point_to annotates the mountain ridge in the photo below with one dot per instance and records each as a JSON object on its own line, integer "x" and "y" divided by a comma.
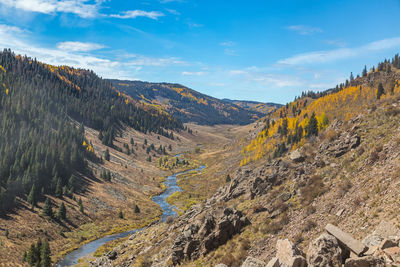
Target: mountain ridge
{"x": 189, "y": 105}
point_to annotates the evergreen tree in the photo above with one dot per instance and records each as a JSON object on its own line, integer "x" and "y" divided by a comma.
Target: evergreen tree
{"x": 120, "y": 214}
{"x": 380, "y": 91}
{"x": 62, "y": 212}
{"x": 107, "y": 155}
{"x": 228, "y": 178}
{"x": 312, "y": 126}
{"x": 47, "y": 210}
{"x": 80, "y": 205}
{"x": 32, "y": 196}
{"x": 45, "y": 253}
{"x": 364, "y": 72}
{"x": 136, "y": 209}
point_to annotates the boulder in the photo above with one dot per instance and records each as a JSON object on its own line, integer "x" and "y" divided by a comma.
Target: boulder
{"x": 253, "y": 262}
{"x": 372, "y": 240}
{"x": 346, "y": 241}
{"x": 387, "y": 243}
{"x": 296, "y": 156}
{"x": 386, "y": 230}
{"x": 207, "y": 234}
{"x": 274, "y": 262}
{"x": 367, "y": 261}
{"x": 393, "y": 253}
{"x": 288, "y": 254}
{"x": 324, "y": 251}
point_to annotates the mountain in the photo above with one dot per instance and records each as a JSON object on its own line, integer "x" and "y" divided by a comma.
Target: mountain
{"x": 254, "y": 106}
{"x": 189, "y": 105}
{"x": 43, "y": 113}
{"x": 325, "y": 159}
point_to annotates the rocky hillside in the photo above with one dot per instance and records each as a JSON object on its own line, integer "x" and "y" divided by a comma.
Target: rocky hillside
{"x": 189, "y": 105}
{"x": 341, "y": 177}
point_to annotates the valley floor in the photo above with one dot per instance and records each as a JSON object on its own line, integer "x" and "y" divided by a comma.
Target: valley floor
{"x": 134, "y": 181}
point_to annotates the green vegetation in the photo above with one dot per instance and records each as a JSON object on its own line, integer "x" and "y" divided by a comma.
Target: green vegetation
{"x": 38, "y": 254}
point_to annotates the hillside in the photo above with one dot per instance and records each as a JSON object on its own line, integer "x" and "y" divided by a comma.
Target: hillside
{"x": 323, "y": 159}
{"x": 265, "y": 108}
{"x": 189, "y": 105}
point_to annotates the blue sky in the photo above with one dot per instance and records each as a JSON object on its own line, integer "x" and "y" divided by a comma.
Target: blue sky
{"x": 267, "y": 51}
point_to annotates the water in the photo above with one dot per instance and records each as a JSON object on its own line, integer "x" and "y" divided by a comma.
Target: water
{"x": 168, "y": 210}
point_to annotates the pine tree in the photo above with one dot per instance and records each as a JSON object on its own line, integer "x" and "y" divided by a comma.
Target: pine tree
{"x": 47, "y": 210}
{"x": 107, "y": 155}
{"x": 228, "y": 178}
{"x": 380, "y": 91}
{"x": 136, "y": 209}
{"x": 58, "y": 191}
{"x": 120, "y": 214}
{"x": 45, "y": 260}
{"x": 364, "y": 72}
{"x": 312, "y": 126}
{"x": 80, "y": 205}
{"x": 32, "y": 196}
{"x": 62, "y": 212}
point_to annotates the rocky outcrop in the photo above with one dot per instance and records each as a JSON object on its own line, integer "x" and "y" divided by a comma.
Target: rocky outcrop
{"x": 253, "y": 262}
{"x": 324, "y": 251}
{"x": 296, "y": 156}
{"x": 289, "y": 255}
{"x": 205, "y": 235}
{"x": 340, "y": 146}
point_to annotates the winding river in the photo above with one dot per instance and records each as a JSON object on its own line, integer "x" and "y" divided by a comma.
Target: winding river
{"x": 168, "y": 210}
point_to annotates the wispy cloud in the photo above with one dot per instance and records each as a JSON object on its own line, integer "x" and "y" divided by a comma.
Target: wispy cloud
{"x": 227, "y": 44}
{"x": 317, "y": 57}
{"x": 303, "y": 29}
{"x": 196, "y": 73}
{"x": 131, "y": 14}
{"x": 254, "y": 74}
{"x": 79, "y": 46}
{"x": 82, "y": 8}
{"x": 78, "y": 54}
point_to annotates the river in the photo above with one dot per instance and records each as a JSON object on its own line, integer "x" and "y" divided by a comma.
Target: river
{"x": 168, "y": 210}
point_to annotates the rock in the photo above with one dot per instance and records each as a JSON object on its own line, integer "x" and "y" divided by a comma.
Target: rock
{"x": 340, "y": 146}
{"x": 274, "y": 262}
{"x": 324, "y": 251}
{"x": 296, "y": 156}
{"x": 289, "y": 254}
{"x": 111, "y": 255}
{"x": 386, "y": 230}
{"x": 387, "y": 243}
{"x": 368, "y": 261}
{"x": 221, "y": 265}
{"x": 340, "y": 212}
{"x": 285, "y": 196}
{"x": 253, "y": 262}
{"x": 345, "y": 240}
{"x": 207, "y": 234}
{"x": 372, "y": 240}
{"x": 393, "y": 253}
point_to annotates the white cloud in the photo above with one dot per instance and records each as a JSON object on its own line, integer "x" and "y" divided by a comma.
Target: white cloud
{"x": 341, "y": 53}
{"x": 173, "y": 12}
{"x": 227, "y": 43}
{"x": 278, "y": 80}
{"x": 131, "y": 14}
{"x": 82, "y": 8}
{"x": 20, "y": 42}
{"x": 196, "y": 73}
{"x": 229, "y": 52}
{"x": 303, "y": 29}
{"x": 140, "y": 60}
{"x": 79, "y": 46}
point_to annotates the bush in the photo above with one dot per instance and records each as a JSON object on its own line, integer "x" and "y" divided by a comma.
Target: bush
{"x": 314, "y": 188}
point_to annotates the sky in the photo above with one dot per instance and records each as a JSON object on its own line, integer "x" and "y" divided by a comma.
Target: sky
{"x": 262, "y": 50}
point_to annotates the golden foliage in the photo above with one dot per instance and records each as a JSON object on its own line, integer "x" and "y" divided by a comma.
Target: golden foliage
{"x": 342, "y": 105}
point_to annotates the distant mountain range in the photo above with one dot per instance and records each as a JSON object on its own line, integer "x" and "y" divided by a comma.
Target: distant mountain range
{"x": 189, "y": 105}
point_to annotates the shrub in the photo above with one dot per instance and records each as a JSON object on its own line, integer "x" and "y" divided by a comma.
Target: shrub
{"x": 314, "y": 188}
